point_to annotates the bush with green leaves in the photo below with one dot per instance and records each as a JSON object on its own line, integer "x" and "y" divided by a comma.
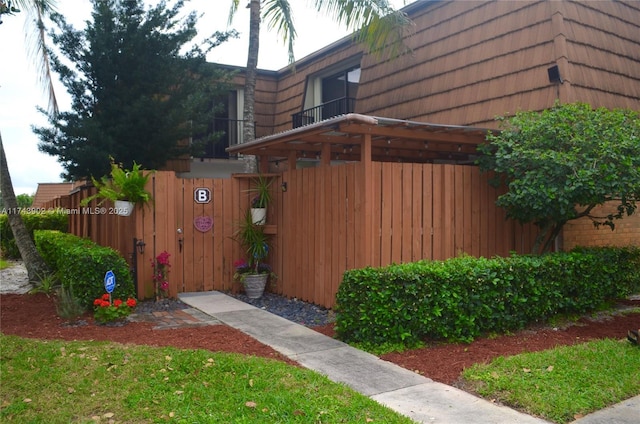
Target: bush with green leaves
{"x": 462, "y": 298}
{"x": 82, "y": 265}
{"x": 559, "y": 164}
{"x": 48, "y": 220}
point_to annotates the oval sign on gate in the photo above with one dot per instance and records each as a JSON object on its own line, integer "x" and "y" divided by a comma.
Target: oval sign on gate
{"x": 109, "y": 281}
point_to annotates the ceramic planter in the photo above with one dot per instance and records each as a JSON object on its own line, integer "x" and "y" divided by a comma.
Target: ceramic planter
{"x": 254, "y": 285}
{"x": 259, "y": 216}
{"x": 123, "y": 208}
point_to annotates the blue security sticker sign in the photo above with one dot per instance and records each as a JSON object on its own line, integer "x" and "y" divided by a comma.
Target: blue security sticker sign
{"x": 109, "y": 281}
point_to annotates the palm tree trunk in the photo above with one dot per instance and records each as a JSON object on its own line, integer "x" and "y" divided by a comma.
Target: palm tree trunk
{"x": 248, "y": 128}
{"x": 36, "y": 267}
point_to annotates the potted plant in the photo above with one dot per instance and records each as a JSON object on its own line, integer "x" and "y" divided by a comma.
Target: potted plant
{"x": 262, "y": 197}
{"x": 125, "y": 188}
{"x": 252, "y": 272}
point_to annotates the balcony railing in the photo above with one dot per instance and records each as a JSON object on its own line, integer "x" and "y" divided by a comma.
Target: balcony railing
{"x": 230, "y": 131}
{"x": 324, "y": 111}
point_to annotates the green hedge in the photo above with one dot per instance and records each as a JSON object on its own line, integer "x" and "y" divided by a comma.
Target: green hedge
{"x": 82, "y": 264}
{"x": 462, "y": 298}
{"x": 49, "y": 220}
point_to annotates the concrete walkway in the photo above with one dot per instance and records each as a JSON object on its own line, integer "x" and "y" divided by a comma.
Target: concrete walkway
{"x": 406, "y": 392}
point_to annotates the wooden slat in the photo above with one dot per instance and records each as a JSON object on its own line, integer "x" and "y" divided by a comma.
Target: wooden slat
{"x": 377, "y": 207}
{"x": 219, "y": 281}
{"x": 438, "y": 213}
{"x": 467, "y": 192}
{"x": 338, "y": 246}
{"x": 386, "y": 214}
{"x": 458, "y": 211}
{"x": 396, "y": 212}
{"x": 427, "y": 212}
{"x": 325, "y": 275}
{"x": 352, "y": 231}
{"x": 417, "y": 207}
{"x": 448, "y": 216}
{"x": 476, "y": 229}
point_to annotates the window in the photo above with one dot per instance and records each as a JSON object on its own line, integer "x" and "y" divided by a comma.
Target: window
{"x": 226, "y": 123}
{"x": 330, "y": 93}
{"x": 337, "y": 90}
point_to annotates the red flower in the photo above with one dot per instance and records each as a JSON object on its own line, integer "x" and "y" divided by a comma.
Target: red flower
{"x": 131, "y": 303}
{"x": 105, "y": 303}
{"x": 163, "y": 258}
{"x": 97, "y": 302}
{"x": 240, "y": 263}
{"x": 105, "y": 296}
{"x": 117, "y": 303}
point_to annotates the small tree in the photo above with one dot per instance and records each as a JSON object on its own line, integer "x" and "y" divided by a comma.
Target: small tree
{"x": 559, "y": 164}
{"x": 136, "y": 88}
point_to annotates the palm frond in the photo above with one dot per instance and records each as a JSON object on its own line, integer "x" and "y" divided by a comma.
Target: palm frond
{"x": 375, "y": 22}
{"x": 277, "y": 14}
{"x": 36, "y": 45}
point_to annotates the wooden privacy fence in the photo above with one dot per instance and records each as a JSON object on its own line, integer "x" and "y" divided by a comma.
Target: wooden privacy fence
{"x": 417, "y": 211}
{"x": 323, "y": 221}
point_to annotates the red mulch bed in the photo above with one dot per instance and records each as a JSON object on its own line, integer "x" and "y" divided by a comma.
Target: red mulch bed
{"x": 34, "y": 316}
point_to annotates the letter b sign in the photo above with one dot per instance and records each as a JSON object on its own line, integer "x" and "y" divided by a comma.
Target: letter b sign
{"x": 202, "y": 195}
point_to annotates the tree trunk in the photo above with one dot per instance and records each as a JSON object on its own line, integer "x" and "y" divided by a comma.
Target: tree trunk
{"x": 36, "y": 267}
{"x": 248, "y": 128}
{"x": 547, "y": 236}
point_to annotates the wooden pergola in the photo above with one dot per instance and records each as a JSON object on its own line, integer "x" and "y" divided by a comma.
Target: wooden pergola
{"x": 355, "y": 137}
{"x": 365, "y": 139}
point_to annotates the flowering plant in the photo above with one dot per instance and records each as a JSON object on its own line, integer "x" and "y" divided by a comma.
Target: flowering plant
{"x": 161, "y": 267}
{"x": 242, "y": 267}
{"x": 256, "y": 202}
{"x": 106, "y": 310}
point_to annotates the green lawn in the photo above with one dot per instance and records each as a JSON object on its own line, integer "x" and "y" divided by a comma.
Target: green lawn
{"x": 4, "y": 264}
{"x": 563, "y": 383}
{"x": 87, "y": 382}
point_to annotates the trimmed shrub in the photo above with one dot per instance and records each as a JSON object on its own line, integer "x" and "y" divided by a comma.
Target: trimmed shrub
{"x": 81, "y": 265}
{"x": 49, "y": 220}
{"x": 462, "y": 298}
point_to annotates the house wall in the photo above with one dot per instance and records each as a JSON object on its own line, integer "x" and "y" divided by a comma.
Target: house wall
{"x": 472, "y": 61}
{"x": 266, "y": 92}
{"x": 581, "y": 232}
{"x": 265, "y": 98}
{"x": 603, "y": 52}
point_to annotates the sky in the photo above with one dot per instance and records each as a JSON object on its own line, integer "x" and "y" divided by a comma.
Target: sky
{"x": 21, "y": 94}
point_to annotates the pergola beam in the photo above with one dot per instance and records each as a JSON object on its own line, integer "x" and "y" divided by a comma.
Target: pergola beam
{"x": 343, "y": 137}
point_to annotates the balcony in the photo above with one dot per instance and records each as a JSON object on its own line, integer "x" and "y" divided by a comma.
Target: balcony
{"x": 230, "y": 131}
{"x": 324, "y": 111}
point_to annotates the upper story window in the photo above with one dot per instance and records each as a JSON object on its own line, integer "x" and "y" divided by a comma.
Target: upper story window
{"x": 330, "y": 93}
{"x": 227, "y": 124}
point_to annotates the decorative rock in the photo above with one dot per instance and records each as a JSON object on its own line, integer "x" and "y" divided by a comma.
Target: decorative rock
{"x": 15, "y": 279}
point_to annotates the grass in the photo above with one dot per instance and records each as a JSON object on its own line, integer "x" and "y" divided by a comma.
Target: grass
{"x": 564, "y": 383}
{"x": 4, "y": 264}
{"x": 87, "y": 381}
